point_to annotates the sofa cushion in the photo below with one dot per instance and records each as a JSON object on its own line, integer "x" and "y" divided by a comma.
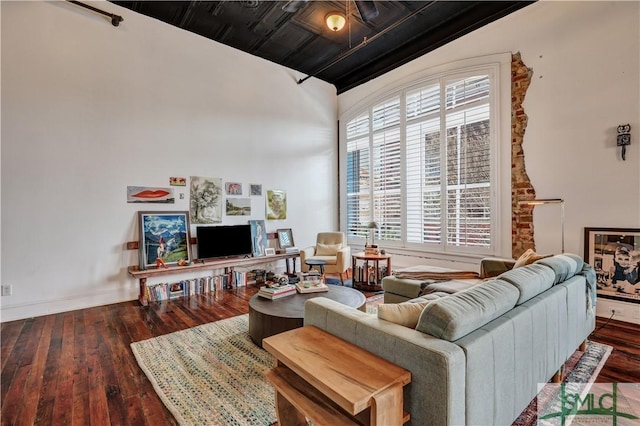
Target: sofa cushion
{"x": 327, "y": 249}
{"x": 457, "y": 315}
{"x": 451, "y": 286}
{"x": 406, "y": 313}
{"x": 563, "y": 265}
{"x": 405, "y": 287}
{"x": 530, "y": 280}
{"x": 528, "y": 257}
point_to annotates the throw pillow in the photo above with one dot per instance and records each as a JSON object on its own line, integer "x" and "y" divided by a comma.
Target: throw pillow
{"x": 327, "y": 249}
{"x": 528, "y": 257}
{"x": 406, "y": 314}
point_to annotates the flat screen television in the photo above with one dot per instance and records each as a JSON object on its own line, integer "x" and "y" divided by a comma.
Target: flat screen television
{"x": 223, "y": 241}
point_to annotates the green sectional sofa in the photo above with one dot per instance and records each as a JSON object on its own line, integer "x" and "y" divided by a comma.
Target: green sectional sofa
{"x": 477, "y": 356}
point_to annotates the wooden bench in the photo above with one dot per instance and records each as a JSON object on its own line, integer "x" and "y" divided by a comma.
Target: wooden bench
{"x": 331, "y": 381}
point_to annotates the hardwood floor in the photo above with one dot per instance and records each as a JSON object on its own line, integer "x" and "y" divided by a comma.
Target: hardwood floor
{"x": 623, "y": 365}
{"x": 77, "y": 367}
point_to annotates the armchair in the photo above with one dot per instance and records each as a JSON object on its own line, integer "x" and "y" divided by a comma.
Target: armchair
{"x": 332, "y": 248}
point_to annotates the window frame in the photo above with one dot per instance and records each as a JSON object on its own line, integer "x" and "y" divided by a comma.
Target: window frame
{"x": 498, "y": 68}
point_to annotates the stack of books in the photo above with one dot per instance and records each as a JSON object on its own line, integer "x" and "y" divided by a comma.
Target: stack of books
{"x": 371, "y": 250}
{"x": 307, "y": 287}
{"x": 274, "y": 293}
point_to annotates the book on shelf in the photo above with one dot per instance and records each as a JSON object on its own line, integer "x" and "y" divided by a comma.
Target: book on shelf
{"x": 311, "y": 287}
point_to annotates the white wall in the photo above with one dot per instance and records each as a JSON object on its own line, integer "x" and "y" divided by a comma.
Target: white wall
{"x": 88, "y": 109}
{"x": 586, "y": 62}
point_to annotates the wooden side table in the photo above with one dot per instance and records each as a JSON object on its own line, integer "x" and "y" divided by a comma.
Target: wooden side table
{"x": 329, "y": 380}
{"x": 366, "y": 280}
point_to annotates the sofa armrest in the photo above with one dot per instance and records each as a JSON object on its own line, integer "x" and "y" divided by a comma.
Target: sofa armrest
{"x": 493, "y": 266}
{"x": 343, "y": 258}
{"x": 436, "y": 394}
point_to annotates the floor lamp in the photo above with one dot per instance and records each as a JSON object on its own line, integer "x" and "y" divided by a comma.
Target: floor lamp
{"x": 543, "y": 201}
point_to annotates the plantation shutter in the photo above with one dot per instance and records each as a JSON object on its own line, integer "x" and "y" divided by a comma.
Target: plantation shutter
{"x": 386, "y": 171}
{"x": 419, "y": 164}
{"x": 358, "y": 177}
{"x": 423, "y": 188}
{"x": 468, "y": 183}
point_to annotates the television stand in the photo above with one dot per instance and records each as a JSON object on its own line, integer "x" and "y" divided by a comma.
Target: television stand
{"x": 229, "y": 263}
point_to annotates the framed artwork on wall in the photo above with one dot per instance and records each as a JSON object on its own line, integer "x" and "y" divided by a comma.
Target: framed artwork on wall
{"x": 206, "y": 200}
{"x": 164, "y": 236}
{"x": 276, "y": 204}
{"x": 233, "y": 188}
{"x": 147, "y": 194}
{"x": 255, "y": 189}
{"x": 238, "y": 206}
{"x": 615, "y": 255}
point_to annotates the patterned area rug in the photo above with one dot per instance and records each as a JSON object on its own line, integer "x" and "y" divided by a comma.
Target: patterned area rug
{"x": 213, "y": 374}
{"x": 580, "y": 372}
{"x": 336, "y": 281}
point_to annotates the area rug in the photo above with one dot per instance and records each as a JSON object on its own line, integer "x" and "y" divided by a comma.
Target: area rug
{"x": 581, "y": 370}
{"x": 336, "y": 281}
{"x": 213, "y": 374}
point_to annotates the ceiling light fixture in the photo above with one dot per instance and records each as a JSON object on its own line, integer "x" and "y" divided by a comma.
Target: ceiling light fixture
{"x": 335, "y": 21}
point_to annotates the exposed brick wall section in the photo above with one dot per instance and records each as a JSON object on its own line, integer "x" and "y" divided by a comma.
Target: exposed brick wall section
{"x": 521, "y": 188}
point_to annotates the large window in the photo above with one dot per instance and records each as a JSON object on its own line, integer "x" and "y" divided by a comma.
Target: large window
{"x": 421, "y": 164}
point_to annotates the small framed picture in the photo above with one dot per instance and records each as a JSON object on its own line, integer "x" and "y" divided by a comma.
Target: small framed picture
{"x": 255, "y": 189}
{"x": 285, "y": 238}
{"x": 233, "y": 188}
{"x": 270, "y": 251}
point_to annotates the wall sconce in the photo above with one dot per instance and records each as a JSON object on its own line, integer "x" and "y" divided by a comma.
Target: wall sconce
{"x": 543, "y": 201}
{"x": 624, "y": 138}
{"x": 335, "y": 21}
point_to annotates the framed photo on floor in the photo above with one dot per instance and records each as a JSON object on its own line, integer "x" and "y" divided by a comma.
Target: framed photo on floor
{"x": 615, "y": 255}
{"x": 165, "y": 236}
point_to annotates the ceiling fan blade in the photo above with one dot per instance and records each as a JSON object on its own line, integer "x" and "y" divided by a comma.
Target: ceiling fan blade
{"x": 367, "y": 9}
{"x": 292, "y": 6}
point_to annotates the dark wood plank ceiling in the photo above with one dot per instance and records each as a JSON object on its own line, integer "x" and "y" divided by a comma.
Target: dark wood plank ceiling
{"x": 362, "y": 50}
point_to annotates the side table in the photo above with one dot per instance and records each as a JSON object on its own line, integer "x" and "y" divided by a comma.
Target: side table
{"x": 369, "y": 278}
{"x": 329, "y": 381}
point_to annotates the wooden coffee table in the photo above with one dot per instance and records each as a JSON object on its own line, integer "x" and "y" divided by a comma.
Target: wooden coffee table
{"x": 269, "y": 317}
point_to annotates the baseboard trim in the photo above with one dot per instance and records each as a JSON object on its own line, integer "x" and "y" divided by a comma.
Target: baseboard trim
{"x": 47, "y": 307}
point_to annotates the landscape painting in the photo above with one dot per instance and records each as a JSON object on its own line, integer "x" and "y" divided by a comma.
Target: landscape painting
{"x": 238, "y": 206}
{"x": 164, "y": 236}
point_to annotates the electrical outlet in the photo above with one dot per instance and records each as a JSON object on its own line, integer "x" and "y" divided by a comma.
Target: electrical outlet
{"x": 7, "y": 290}
{"x": 616, "y": 312}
